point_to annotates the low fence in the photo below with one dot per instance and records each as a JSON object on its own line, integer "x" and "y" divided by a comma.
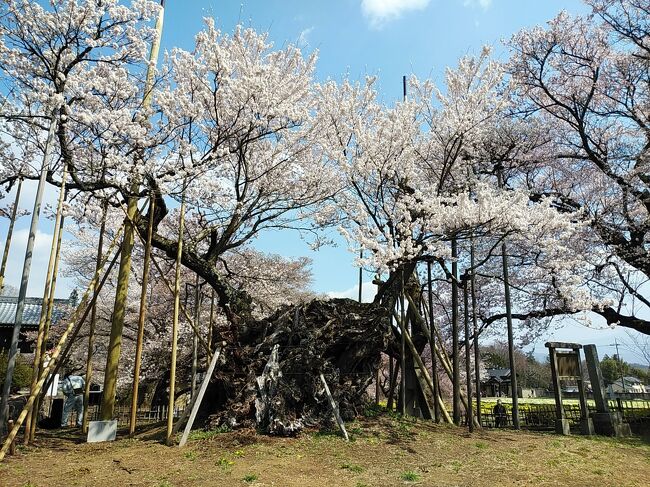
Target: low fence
{"x": 542, "y": 416}
{"x": 123, "y": 415}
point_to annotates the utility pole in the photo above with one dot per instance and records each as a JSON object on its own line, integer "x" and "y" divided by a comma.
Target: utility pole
{"x": 620, "y": 363}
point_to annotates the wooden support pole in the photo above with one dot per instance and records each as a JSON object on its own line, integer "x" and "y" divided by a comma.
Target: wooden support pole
{"x": 455, "y": 380}
{"x": 73, "y": 335}
{"x": 432, "y": 345}
{"x": 197, "y": 399}
{"x": 425, "y": 373}
{"x": 10, "y": 232}
{"x": 12, "y": 445}
{"x": 392, "y": 381}
{"x": 165, "y": 281}
{"x": 142, "y": 317}
{"x": 211, "y": 324}
{"x": 177, "y": 301}
{"x": 48, "y": 301}
{"x": 74, "y": 325}
{"x": 335, "y": 408}
{"x": 402, "y": 326}
{"x": 24, "y": 280}
{"x": 468, "y": 361}
{"x": 195, "y": 337}
{"x": 121, "y": 293}
{"x": 477, "y": 358}
{"x": 118, "y": 317}
{"x": 440, "y": 351}
{"x": 511, "y": 342}
{"x": 93, "y": 321}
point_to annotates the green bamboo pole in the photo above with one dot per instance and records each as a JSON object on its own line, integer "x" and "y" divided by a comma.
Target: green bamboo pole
{"x": 177, "y": 301}
{"x": 10, "y": 232}
{"x": 48, "y": 301}
{"x": 142, "y": 317}
{"x": 93, "y": 322}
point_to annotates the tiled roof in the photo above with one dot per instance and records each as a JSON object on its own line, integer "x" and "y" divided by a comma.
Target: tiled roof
{"x": 498, "y": 373}
{"x": 32, "y": 312}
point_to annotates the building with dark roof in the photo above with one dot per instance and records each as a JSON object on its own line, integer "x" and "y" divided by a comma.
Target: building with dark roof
{"x": 497, "y": 383}
{"x": 31, "y": 316}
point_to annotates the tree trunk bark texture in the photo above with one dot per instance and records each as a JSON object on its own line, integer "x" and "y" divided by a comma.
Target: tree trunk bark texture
{"x": 269, "y": 377}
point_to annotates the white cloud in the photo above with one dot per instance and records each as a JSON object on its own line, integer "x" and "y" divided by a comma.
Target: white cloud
{"x": 368, "y": 291}
{"x": 484, "y": 4}
{"x": 381, "y": 11}
{"x": 303, "y": 37}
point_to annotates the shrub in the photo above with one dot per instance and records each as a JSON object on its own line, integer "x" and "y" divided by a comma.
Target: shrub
{"x": 22, "y": 372}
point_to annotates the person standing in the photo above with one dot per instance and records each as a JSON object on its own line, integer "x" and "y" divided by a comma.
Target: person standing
{"x": 73, "y": 390}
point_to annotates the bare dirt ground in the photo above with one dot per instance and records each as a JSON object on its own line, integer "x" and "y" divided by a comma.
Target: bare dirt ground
{"x": 384, "y": 451}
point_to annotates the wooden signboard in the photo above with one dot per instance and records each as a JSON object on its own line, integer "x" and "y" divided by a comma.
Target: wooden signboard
{"x": 568, "y": 365}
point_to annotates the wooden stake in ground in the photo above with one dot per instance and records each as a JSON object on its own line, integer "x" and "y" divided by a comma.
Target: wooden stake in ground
{"x": 10, "y": 232}
{"x": 93, "y": 322}
{"x": 142, "y": 317}
{"x": 22, "y": 293}
{"x": 48, "y": 301}
{"x": 177, "y": 302}
{"x": 121, "y": 293}
{"x": 335, "y": 408}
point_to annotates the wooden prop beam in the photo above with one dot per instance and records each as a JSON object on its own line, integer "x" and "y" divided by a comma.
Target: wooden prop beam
{"x": 198, "y": 398}
{"x": 71, "y": 331}
{"x": 335, "y": 408}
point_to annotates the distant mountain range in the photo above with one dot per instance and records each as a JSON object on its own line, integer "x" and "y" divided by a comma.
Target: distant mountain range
{"x": 639, "y": 366}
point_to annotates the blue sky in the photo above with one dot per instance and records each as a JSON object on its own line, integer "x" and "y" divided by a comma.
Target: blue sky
{"x": 354, "y": 38}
